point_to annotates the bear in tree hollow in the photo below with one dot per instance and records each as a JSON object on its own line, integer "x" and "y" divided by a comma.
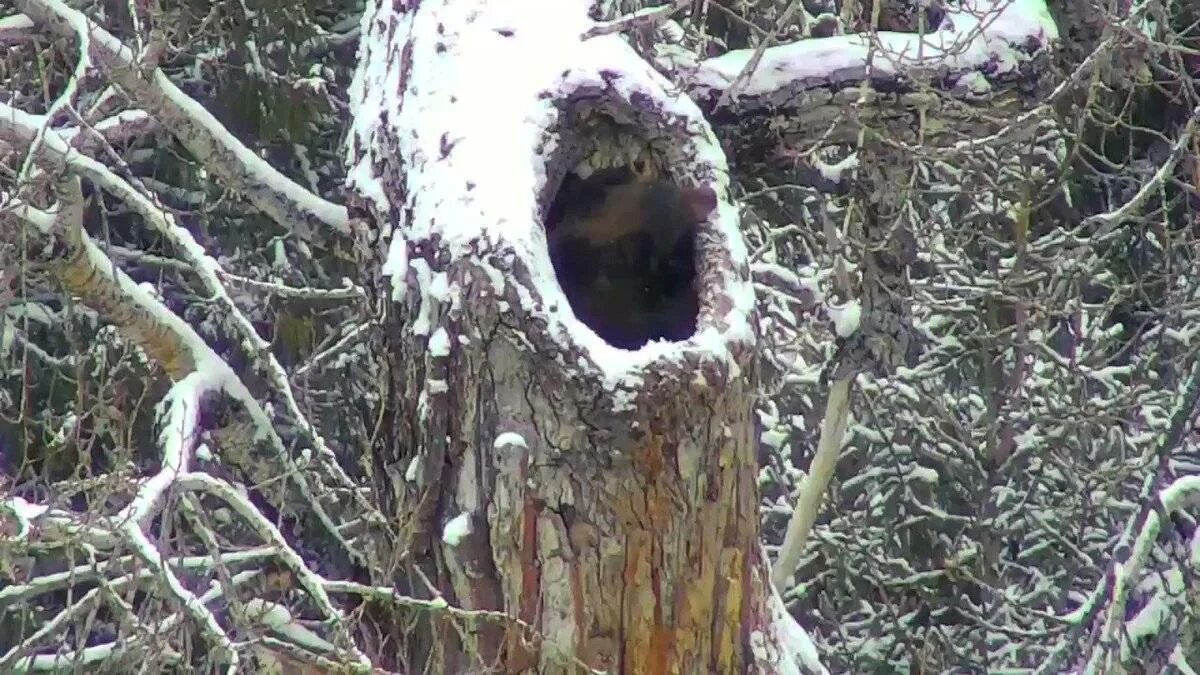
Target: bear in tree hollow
{"x": 624, "y": 253}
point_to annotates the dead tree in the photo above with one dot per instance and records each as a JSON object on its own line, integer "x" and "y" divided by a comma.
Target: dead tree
{"x": 603, "y": 497}
{"x": 543, "y": 500}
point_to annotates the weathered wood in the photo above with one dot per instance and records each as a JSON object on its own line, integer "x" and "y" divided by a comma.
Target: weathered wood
{"x": 605, "y": 500}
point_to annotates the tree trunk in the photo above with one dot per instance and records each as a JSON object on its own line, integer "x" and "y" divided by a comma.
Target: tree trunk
{"x": 603, "y": 500}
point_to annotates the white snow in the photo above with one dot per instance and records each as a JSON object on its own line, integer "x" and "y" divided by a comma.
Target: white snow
{"x": 32, "y": 310}
{"x": 280, "y": 619}
{"x": 924, "y": 474}
{"x": 439, "y": 343}
{"x": 17, "y": 22}
{"x": 458, "y": 527}
{"x": 793, "y": 639}
{"x": 396, "y": 264}
{"x": 475, "y": 188}
{"x": 510, "y": 438}
{"x": 971, "y": 35}
{"x": 845, "y": 318}
{"x": 834, "y": 172}
{"x": 421, "y": 324}
{"x": 414, "y": 465}
{"x": 773, "y": 438}
{"x": 25, "y": 510}
{"x": 974, "y": 82}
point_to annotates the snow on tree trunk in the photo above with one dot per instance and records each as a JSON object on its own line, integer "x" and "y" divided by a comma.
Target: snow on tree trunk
{"x": 604, "y": 499}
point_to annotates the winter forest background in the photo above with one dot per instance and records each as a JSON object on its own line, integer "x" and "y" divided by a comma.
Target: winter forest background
{"x": 199, "y": 390}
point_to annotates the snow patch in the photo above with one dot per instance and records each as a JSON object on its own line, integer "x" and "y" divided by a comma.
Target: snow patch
{"x": 396, "y": 265}
{"x": 923, "y": 474}
{"x": 799, "y": 652}
{"x": 439, "y": 343}
{"x": 845, "y": 318}
{"x": 510, "y": 438}
{"x": 25, "y": 510}
{"x": 414, "y": 466}
{"x": 458, "y": 528}
{"x": 834, "y": 172}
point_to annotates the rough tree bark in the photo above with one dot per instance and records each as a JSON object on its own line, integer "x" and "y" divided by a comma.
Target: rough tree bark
{"x": 602, "y": 501}
{"x": 604, "y": 498}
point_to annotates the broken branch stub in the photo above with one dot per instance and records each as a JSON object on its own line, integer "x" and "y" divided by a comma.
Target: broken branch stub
{"x": 602, "y": 498}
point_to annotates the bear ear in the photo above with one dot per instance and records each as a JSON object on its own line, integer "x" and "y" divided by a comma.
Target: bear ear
{"x": 700, "y": 201}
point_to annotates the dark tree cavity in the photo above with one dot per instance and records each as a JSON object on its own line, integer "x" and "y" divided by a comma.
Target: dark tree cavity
{"x": 624, "y": 251}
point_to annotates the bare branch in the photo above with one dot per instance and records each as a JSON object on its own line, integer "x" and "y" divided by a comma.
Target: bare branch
{"x": 812, "y": 492}
{"x": 279, "y": 197}
{"x": 639, "y": 19}
{"x": 1108, "y": 221}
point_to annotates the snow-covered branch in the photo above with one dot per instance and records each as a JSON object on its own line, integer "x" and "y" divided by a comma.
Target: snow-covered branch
{"x": 286, "y": 202}
{"x": 119, "y": 128}
{"x": 19, "y": 127}
{"x": 200, "y": 374}
{"x": 16, "y": 29}
{"x": 1103, "y": 618}
{"x": 978, "y": 42}
{"x": 87, "y": 272}
{"x": 1106, "y": 222}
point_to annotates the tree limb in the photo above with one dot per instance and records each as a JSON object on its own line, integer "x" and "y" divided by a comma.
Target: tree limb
{"x": 812, "y": 490}
{"x": 285, "y": 201}
{"x": 17, "y": 126}
{"x": 978, "y": 37}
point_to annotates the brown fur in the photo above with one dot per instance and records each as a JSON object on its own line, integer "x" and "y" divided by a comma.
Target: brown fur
{"x": 624, "y": 256}
{"x": 663, "y": 211}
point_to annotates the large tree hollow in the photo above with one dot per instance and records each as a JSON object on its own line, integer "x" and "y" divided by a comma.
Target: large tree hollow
{"x": 624, "y": 251}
